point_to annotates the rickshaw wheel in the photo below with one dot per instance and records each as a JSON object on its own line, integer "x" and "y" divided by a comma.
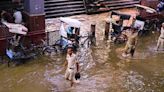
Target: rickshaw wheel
{"x": 57, "y": 48}
{"x": 49, "y": 50}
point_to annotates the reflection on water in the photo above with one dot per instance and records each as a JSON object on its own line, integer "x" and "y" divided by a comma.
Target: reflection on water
{"x": 102, "y": 68}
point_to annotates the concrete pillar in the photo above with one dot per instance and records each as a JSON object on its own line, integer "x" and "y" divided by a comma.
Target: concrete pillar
{"x": 34, "y": 18}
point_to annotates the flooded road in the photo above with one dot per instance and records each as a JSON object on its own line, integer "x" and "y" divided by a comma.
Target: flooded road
{"x": 102, "y": 67}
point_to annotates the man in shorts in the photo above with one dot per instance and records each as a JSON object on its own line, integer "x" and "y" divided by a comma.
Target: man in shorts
{"x": 72, "y": 65}
{"x": 161, "y": 39}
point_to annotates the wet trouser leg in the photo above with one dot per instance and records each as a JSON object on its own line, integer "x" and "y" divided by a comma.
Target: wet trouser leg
{"x": 129, "y": 49}
{"x": 132, "y": 50}
{"x": 160, "y": 43}
{"x": 126, "y": 49}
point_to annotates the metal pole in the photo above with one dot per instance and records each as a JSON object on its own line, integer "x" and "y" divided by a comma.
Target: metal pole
{"x": 107, "y": 25}
{"x": 48, "y": 38}
{"x": 93, "y": 34}
{"x": 93, "y": 29}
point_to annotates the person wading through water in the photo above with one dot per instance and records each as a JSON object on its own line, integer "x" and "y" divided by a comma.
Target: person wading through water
{"x": 131, "y": 43}
{"x": 161, "y": 39}
{"x": 72, "y": 66}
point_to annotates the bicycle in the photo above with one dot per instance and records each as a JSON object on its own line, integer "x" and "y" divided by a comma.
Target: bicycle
{"x": 43, "y": 48}
{"x": 62, "y": 44}
{"x": 17, "y": 53}
{"x": 151, "y": 25}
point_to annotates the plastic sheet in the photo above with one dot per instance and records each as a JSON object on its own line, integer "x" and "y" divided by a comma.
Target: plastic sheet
{"x": 63, "y": 31}
{"x": 16, "y": 28}
{"x": 71, "y": 22}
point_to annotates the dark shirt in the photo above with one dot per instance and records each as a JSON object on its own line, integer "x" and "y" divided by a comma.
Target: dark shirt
{"x": 160, "y": 6}
{"x": 8, "y": 17}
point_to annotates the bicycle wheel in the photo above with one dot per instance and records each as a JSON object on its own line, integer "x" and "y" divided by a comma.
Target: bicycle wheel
{"x": 49, "y": 50}
{"x": 58, "y": 48}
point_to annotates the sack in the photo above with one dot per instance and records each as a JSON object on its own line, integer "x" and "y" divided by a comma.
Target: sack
{"x": 77, "y": 76}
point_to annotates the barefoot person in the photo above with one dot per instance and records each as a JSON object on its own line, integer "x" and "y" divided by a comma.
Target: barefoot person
{"x": 131, "y": 43}
{"x": 161, "y": 39}
{"x": 72, "y": 65}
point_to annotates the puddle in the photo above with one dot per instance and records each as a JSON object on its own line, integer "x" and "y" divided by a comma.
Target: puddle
{"x": 101, "y": 68}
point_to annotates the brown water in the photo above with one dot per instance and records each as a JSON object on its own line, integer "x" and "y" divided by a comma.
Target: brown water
{"x": 102, "y": 68}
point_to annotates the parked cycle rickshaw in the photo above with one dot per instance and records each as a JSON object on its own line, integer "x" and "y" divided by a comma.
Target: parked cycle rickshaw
{"x": 152, "y": 23}
{"x": 69, "y": 35}
{"x": 144, "y": 25}
{"x": 15, "y": 50}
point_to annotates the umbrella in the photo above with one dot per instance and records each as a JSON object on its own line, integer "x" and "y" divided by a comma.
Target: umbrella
{"x": 71, "y": 22}
{"x": 148, "y": 9}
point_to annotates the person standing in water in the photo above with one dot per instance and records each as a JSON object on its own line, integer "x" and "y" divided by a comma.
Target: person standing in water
{"x": 161, "y": 39}
{"x": 72, "y": 66}
{"x": 131, "y": 43}
{"x": 17, "y": 16}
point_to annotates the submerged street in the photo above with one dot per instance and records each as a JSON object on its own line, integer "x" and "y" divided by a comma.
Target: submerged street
{"x": 102, "y": 67}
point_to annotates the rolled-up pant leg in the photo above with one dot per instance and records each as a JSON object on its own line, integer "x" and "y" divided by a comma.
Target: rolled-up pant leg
{"x": 126, "y": 49}
{"x": 159, "y": 43}
{"x": 162, "y": 44}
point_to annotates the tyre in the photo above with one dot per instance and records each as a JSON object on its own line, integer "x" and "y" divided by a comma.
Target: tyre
{"x": 49, "y": 50}
{"x": 58, "y": 48}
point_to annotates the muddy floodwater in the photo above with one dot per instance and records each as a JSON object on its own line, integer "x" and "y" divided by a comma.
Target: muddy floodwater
{"x": 102, "y": 67}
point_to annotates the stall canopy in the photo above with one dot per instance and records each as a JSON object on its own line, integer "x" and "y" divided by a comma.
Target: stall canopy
{"x": 71, "y": 22}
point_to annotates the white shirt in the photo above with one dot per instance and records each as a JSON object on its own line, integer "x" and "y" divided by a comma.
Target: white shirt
{"x": 18, "y": 17}
{"x": 71, "y": 61}
{"x": 162, "y": 33}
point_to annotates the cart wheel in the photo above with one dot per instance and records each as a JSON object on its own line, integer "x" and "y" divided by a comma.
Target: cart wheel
{"x": 40, "y": 51}
{"x": 46, "y": 51}
{"x": 58, "y": 48}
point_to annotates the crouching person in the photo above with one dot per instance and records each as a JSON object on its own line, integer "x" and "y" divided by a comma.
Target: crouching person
{"x": 161, "y": 39}
{"x": 72, "y": 66}
{"x": 131, "y": 43}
